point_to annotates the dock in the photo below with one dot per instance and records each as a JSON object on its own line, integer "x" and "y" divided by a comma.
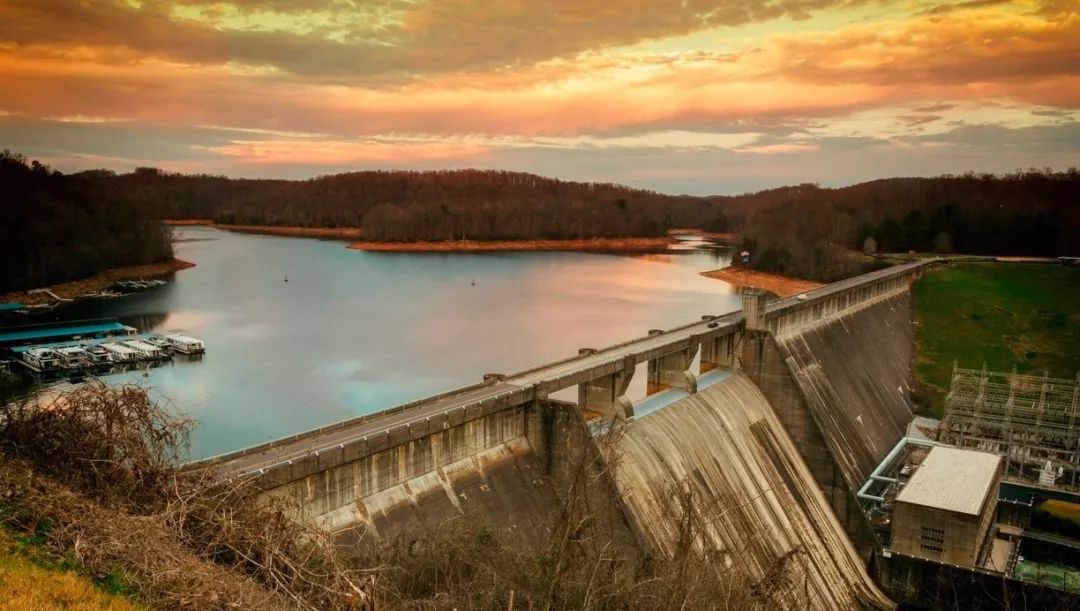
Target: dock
{"x": 100, "y": 345}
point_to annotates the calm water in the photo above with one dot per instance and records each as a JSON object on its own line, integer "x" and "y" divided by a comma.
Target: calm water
{"x": 355, "y": 332}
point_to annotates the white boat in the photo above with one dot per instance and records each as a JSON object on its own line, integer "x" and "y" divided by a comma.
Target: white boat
{"x": 185, "y": 344}
{"x": 72, "y": 357}
{"x": 160, "y": 342}
{"x": 120, "y": 353}
{"x": 98, "y": 355}
{"x": 41, "y": 359}
{"x": 143, "y": 349}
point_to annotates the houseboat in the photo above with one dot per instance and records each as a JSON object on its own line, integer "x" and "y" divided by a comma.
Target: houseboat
{"x": 120, "y": 353}
{"x": 160, "y": 342}
{"x": 98, "y": 355}
{"x": 73, "y": 357}
{"x": 186, "y": 345}
{"x": 144, "y": 350}
{"x": 41, "y": 360}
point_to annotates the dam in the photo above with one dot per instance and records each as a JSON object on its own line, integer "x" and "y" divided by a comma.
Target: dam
{"x": 792, "y": 405}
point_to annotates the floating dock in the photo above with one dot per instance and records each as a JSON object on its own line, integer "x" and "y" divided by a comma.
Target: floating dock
{"x": 101, "y": 346}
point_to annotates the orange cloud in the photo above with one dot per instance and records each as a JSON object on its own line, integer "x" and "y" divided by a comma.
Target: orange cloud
{"x": 342, "y": 152}
{"x": 426, "y": 81}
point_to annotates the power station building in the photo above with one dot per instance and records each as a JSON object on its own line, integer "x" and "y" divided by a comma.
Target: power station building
{"x": 946, "y": 511}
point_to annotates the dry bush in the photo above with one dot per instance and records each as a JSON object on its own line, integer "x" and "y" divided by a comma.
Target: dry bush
{"x": 172, "y": 533}
{"x": 113, "y": 444}
{"x": 163, "y": 572}
{"x": 224, "y": 523}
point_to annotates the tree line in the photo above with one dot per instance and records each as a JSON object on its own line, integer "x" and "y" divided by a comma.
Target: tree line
{"x": 55, "y": 228}
{"x": 419, "y": 206}
{"x": 818, "y": 233}
{"x": 60, "y": 227}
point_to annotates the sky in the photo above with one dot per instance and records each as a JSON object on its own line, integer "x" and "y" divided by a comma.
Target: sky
{"x": 678, "y": 96}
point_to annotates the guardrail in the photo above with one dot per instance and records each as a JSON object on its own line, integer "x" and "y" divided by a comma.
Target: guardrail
{"x": 389, "y": 431}
{"x": 337, "y": 426}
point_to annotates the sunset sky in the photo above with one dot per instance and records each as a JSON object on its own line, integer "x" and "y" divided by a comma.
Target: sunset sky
{"x": 681, "y": 96}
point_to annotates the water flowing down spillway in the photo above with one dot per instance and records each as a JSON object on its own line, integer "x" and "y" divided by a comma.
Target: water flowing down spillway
{"x": 757, "y": 502}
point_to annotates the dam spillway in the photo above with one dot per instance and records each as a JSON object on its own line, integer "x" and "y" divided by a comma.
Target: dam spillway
{"x": 722, "y": 455}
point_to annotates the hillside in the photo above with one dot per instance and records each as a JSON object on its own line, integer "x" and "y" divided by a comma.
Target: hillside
{"x": 56, "y": 228}
{"x": 804, "y": 230}
{"x": 421, "y": 206}
{"x": 66, "y": 227}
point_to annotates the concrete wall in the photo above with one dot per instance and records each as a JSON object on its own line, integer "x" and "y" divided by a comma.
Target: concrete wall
{"x": 762, "y": 361}
{"x": 927, "y": 584}
{"x": 472, "y": 466}
{"x": 512, "y": 469}
{"x": 754, "y": 498}
{"x": 838, "y": 375}
{"x": 960, "y": 536}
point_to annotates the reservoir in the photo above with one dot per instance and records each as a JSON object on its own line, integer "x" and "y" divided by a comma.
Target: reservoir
{"x": 353, "y": 332}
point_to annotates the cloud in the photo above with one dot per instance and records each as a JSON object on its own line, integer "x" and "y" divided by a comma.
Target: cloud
{"x": 626, "y": 90}
{"x": 935, "y": 108}
{"x": 942, "y": 9}
{"x": 915, "y": 120}
{"x": 779, "y": 149}
{"x": 376, "y": 39}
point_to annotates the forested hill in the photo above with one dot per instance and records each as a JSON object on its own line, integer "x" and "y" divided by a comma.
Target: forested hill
{"x": 816, "y": 233}
{"x": 439, "y": 205}
{"x": 55, "y": 228}
{"x": 60, "y": 227}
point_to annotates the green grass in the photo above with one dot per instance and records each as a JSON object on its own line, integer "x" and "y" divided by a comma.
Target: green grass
{"x": 30, "y": 581}
{"x": 1000, "y": 314}
{"x": 1058, "y": 575}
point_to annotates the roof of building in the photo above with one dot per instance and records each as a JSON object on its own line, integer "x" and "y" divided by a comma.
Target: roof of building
{"x": 953, "y": 480}
{"x": 20, "y": 335}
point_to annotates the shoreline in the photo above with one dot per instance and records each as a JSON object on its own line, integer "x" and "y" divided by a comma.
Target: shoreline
{"x": 781, "y": 286}
{"x": 325, "y": 233}
{"x": 73, "y": 289}
{"x": 653, "y": 244}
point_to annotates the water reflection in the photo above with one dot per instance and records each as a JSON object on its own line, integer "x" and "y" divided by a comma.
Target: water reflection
{"x": 354, "y": 332}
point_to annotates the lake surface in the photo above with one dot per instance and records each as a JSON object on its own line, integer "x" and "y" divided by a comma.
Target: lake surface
{"x": 352, "y": 332}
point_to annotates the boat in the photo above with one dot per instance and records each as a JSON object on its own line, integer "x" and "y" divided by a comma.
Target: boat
{"x": 160, "y": 342}
{"x": 73, "y": 357}
{"x": 144, "y": 350}
{"x": 120, "y": 353}
{"x": 97, "y": 355}
{"x": 185, "y": 344}
{"x": 41, "y": 360}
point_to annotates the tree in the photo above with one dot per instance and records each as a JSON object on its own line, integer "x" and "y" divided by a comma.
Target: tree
{"x": 942, "y": 243}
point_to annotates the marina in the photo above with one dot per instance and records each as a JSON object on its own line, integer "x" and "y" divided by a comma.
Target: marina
{"x": 99, "y": 346}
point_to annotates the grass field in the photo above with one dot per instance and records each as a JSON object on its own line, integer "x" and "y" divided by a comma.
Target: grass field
{"x": 1058, "y": 575}
{"x": 1000, "y": 314}
{"x": 32, "y": 583}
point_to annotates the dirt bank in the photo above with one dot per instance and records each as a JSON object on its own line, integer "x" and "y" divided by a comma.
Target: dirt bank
{"x": 778, "y": 285}
{"x": 594, "y": 244}
{"x": 78, "y": 288}
{"x": 723, "y": 237}
{"x": 325, "y": 233}
{"x": 187, "y": 222}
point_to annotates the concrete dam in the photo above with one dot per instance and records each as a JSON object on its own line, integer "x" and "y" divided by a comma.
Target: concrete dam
{"x": 792, "y": 405}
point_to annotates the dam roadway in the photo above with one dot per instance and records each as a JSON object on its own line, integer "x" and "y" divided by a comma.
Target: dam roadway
{"x": 522, "y": 386}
